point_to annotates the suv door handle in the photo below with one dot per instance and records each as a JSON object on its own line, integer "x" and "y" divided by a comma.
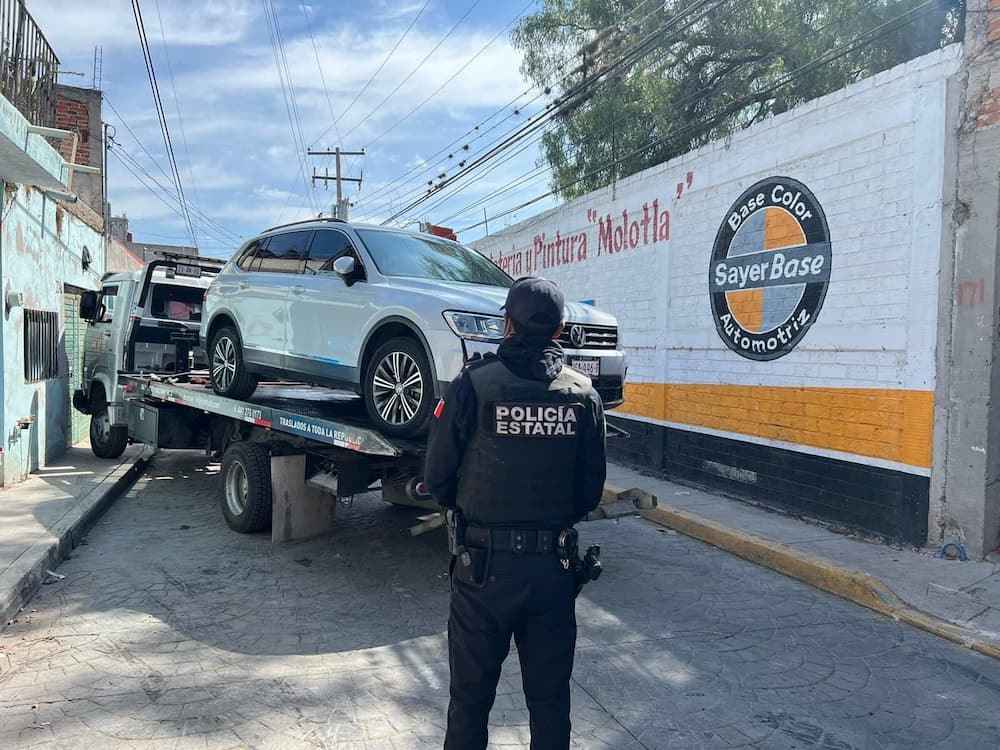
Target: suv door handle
{"x": 243, "y": 285}
{"x": 297, "y": 289}
{"x": 107, "y": 334}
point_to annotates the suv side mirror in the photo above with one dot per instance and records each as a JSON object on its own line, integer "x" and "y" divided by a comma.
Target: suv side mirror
{"x": 88, "y": 306}
{"x": 345, "y": 266}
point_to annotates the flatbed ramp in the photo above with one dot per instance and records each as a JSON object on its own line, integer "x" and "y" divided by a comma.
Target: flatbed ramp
{"x": 284, "y": 452}
{"x": 324, "y": 416}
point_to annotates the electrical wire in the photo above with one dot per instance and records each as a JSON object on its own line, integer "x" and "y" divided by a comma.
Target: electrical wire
{"x": 288, "y": 93}
{"x": 161, "y": 115}
{"x": 831, "y": 55}
{"x": 413, "y": 72}
{"x": 568, "y": 101}
{"x": 177, "y": 108}
{"x": 374, "y": 75}
{"x": 161, "y": 195}
{"x": 202, "y": 218}
{"x": 455, "y": 75}
{"x": 462, "y": 142}
{"x": 319, "y": 67}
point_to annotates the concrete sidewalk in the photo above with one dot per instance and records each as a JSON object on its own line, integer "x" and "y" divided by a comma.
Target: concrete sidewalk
{"x": 956, "y": 600}
{"x": 43, "y": 518}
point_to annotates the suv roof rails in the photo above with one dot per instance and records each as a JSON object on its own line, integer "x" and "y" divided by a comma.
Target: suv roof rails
{"x": 305, "y": 221}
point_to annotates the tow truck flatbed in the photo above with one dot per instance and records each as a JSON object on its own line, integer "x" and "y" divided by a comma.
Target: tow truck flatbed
{"x": 292, "y": 445}
{"x": 322, "y": 415}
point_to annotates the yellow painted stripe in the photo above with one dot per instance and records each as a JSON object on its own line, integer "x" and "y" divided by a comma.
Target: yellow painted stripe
{"x": 894, "y": 425}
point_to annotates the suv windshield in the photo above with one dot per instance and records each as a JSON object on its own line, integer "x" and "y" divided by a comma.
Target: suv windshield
{"x": 400, "y": 254}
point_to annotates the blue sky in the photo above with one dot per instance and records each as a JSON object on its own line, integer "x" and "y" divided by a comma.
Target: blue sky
{"x": 233, "y": 141}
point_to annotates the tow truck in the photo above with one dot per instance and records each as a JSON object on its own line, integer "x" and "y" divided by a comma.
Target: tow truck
{"x": 285, "y": 452}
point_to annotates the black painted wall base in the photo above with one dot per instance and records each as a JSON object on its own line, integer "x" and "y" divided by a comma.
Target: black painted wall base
{"x": 885, "y": 502}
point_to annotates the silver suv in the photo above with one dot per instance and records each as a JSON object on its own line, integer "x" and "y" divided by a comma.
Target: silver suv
{"x": 389, "y": 314}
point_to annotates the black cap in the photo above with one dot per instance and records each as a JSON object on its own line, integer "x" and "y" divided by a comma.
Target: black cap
{"x": 535, "y": 305}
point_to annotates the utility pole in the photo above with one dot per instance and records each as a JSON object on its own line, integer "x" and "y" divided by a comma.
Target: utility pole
{"x": 340, "y": 208}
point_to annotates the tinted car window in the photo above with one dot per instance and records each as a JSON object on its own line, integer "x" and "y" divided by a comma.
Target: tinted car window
{"x": 327, "y": 246}
{"x": 283, "y": 253}
{"x": 249, "y": 255}
{"x": 427, "y": 257}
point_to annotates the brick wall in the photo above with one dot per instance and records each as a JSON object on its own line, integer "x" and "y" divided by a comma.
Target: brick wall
{"x": 859, "y": 386}
{"x": 74, "y": 115}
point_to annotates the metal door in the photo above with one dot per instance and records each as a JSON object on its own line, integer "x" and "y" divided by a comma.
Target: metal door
{"x": 74, "y": 331}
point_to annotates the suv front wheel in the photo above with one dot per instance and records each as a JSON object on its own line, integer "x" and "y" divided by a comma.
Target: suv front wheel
{"x": 398, "y": 388}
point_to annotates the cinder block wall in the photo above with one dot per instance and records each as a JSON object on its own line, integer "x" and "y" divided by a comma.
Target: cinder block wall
{"x": 838, "y": 424}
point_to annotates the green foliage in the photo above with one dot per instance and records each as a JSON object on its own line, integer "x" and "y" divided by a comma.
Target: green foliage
{"x": 701, "y": 81}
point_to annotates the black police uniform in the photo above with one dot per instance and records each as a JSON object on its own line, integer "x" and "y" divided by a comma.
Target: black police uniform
{"x": 518, "y": 447}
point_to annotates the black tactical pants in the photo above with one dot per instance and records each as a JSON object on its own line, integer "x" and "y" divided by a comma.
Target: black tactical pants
{"x": 532, "y": 597}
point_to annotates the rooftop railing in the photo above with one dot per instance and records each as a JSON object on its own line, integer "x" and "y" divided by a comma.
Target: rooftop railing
{"x": 28, "y": 65}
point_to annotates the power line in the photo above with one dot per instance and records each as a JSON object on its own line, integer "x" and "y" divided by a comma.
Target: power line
{"x": 177, "y": 107}
{"x": 831, "y": 55}
{"x": 203, "y": 219}
{"x": 565, "y": 103}
{"x": 414, "y": 71}
{"x": 453, "y": 146}
{"x": 374, "y": 75}
{"x": 538, "y": 172}
{"x": 161, "y": 115}
{"x": 455, "y": 75}
{"x": 194, "y": 210}
{"x": 288, "y": 92}
{"x": 319, "y": 67}
{"x": 162, "y": 195}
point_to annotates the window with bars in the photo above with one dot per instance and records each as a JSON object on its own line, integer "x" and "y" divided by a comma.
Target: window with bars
{"x": 41, "y": 345}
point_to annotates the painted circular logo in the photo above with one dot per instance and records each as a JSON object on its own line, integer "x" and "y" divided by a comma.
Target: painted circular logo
{"x": 770, "y": 269}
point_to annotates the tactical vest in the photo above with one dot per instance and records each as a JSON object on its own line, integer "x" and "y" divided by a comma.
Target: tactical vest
{"x": 519, "y": 466}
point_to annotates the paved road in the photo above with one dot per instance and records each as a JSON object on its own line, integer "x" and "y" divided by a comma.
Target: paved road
{"x": 171, "y": 631}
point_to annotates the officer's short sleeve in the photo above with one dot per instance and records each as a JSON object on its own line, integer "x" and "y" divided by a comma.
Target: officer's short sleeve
{"x": 591, "y": 466}
{"x": 452, "y": 425}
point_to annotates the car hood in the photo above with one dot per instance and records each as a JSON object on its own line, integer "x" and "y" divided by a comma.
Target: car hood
{"x": 479, "y": 298}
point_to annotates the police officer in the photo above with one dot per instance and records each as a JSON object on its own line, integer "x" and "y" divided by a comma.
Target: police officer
{"x": 517, "y": 447}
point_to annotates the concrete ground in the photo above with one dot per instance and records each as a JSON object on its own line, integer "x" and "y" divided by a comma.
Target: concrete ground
{"x": 169, "y": 630}
{"x": 964, "y": 593}
{"x": 40, "y": 517}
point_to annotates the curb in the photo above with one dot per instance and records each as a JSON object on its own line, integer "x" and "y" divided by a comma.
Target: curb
{"x": 23, "y": 580}
{"x": 847, "y": 583}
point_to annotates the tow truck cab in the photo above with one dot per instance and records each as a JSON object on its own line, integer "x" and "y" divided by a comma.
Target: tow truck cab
{"x": 143, "y": 321}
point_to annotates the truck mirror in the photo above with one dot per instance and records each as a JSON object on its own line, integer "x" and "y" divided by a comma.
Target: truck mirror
{"x": 88, "y": 306}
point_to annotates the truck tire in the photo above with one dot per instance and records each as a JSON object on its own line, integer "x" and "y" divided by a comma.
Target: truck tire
{"x": 228, "y": 370}
{"x": 399, "y": 389}
{"x": 106, "y": 440}
{"x": 246, "y": 488}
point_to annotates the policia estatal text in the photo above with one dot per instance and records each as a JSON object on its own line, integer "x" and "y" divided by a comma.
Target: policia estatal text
{"x": 516, "y": 453}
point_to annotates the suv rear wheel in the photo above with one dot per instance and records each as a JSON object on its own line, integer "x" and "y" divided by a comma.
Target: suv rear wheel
{"x": 229, "y": 373}
{"x": 398, "y": 388}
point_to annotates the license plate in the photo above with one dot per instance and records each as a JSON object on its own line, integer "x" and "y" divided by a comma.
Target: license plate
{"x": 193, "y": 272}
{"x": 587, "y": 365}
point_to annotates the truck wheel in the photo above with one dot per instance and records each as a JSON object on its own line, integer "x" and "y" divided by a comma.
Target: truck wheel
{"x": 398, "y": 388}
{"x": 106, "y": 440}
{"x": 246, "y": 488}
{"x": 229, "y": 373}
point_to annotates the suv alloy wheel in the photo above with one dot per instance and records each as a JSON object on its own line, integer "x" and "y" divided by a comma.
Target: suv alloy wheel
{"x": 398, "y": 388}
{"x": 229, "y": 373}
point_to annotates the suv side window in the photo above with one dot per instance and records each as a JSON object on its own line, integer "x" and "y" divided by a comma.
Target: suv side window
{"x": 106, "y": 304}
{"x": 283, "y": 253}
{"x": 327, "y": 246}
{"x": 249, "y": 255}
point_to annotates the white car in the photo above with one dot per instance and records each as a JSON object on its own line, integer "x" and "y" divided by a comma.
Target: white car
{"x": 390, "y": 314}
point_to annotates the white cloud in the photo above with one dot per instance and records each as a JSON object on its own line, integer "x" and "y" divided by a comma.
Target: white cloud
{"x": 73, "y": 27}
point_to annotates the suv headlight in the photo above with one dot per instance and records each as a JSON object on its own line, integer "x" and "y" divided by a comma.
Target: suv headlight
{"x": 475, "y": 326}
